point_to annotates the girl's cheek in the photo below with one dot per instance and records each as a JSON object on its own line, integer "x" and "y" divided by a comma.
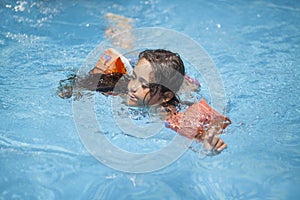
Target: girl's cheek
{"x": 129, "y": 86}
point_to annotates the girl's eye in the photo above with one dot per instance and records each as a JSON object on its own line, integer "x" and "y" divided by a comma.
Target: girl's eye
{"x": 144, "y": 86}
{"x": 131, "y": 77}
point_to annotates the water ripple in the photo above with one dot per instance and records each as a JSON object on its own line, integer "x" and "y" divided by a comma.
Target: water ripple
{"x": 287, "y": 139}
{"x": 9, "y": 144}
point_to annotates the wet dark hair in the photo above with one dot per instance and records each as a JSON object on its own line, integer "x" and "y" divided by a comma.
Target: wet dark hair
{"x": 168, "y": 72}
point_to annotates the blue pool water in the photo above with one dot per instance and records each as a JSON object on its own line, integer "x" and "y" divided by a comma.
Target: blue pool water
{"x": 255, "y": 45}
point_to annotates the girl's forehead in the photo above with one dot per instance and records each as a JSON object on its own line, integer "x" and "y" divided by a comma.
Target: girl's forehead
{"x": 143, "y": 69}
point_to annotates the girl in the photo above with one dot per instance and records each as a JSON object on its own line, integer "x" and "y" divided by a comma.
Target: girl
{"x": 154, "y": 81}
{"x": 157, "y": 77}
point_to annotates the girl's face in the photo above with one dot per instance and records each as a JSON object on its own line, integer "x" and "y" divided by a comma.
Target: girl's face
{"x": 138, "y": 86}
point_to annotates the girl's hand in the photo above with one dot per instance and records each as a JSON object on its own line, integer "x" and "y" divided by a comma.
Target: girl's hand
{"x": 212, "y": 142}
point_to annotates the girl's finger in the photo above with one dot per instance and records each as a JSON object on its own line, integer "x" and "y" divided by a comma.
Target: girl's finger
{"x": 221, "y": 146}
{"x": 214, "y": 142}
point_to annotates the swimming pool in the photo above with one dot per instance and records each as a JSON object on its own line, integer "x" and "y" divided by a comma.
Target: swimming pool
{"x": 255, "y": 46}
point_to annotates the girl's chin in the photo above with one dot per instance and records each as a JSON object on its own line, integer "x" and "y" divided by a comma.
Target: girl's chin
{"x": 138, "y": 103}
{"x": 131, "y": 102}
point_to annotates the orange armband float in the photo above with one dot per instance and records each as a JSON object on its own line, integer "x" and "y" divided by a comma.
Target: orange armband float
{"x": 197, "y": 120}
{"x": 107, "y": 72}
{"x": 111, "y": 61}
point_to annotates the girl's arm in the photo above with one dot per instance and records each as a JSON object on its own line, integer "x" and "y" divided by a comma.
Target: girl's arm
{"x": 108, "y": 72}
{"x": 200, "y": 122}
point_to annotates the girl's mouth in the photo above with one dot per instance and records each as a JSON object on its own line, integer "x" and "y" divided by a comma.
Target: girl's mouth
{"x": 132, "y": 97}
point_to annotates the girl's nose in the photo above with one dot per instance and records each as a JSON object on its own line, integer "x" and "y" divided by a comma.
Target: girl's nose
{"x": 132, "y": 86}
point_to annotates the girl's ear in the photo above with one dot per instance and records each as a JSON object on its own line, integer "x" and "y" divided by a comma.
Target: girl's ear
{"x": 167, "y": 96}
